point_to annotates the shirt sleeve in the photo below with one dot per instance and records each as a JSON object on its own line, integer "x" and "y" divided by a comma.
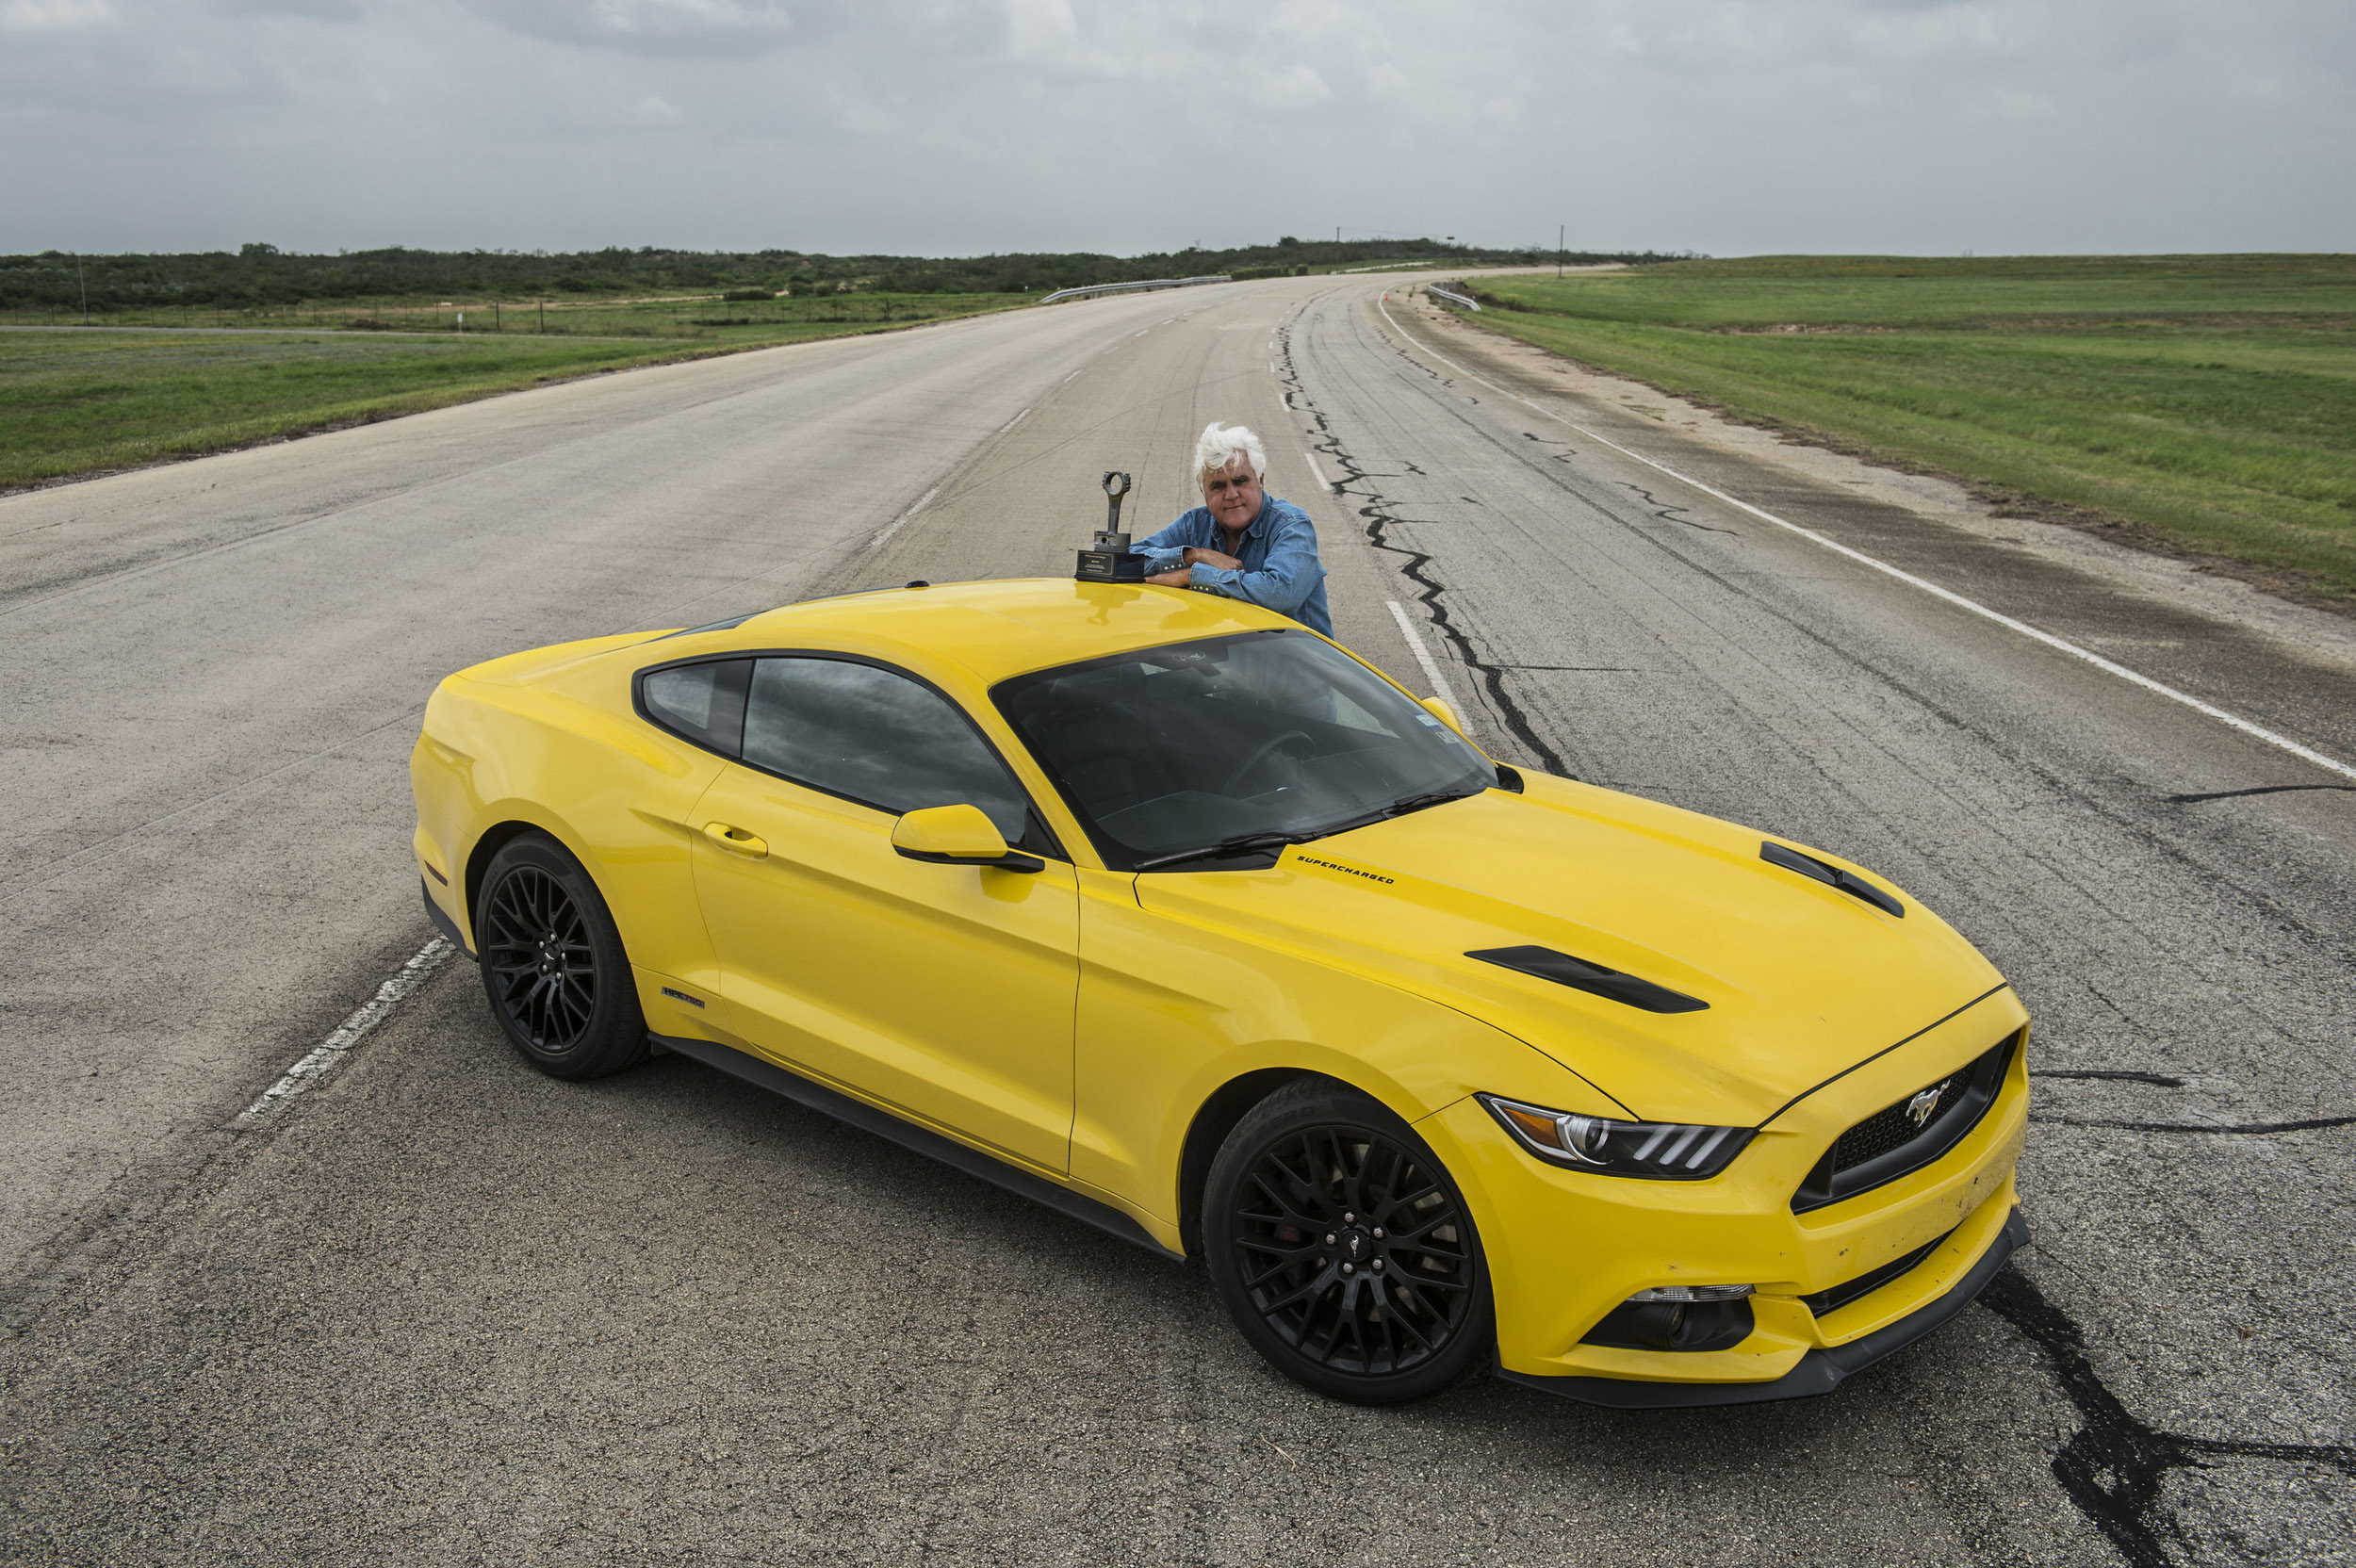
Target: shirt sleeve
{"x": 1285, "y": 581}
{"x": 1165, "y": 552}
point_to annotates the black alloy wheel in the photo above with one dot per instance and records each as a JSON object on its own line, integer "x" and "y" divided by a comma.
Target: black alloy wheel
{"x": 552, "y": 963}
{"x": 1342, "y": 1248}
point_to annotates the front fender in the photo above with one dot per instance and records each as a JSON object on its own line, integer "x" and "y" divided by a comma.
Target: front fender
{"x": 1170, "y": 1012}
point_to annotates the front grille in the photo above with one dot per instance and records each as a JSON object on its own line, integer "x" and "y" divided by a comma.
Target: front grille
{"x": 1884, "y": 1130}
{"x": 1890, "y": 1143}
{"x": 1839, "y": 1296}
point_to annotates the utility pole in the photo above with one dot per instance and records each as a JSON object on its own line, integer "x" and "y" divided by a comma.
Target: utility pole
{"x": 544, "y": 318}
{"x": 1561, "y": 233}
{"x": 85, "y": 285}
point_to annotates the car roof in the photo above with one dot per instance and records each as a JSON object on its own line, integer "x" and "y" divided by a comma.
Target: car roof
{"x": 1009, "y": 626}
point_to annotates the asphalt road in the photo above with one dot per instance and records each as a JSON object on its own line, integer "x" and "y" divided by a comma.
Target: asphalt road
{"x": 440, "y": 1309}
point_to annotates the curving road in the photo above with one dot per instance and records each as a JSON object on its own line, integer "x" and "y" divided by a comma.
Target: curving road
{"x": 437, "y": 1308}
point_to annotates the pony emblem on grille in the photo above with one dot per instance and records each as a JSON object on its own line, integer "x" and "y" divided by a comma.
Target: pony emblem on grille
{"x": 1919, "y": 1109}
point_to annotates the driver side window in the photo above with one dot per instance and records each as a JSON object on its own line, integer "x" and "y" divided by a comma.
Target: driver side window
{"x": 875, "y": 737}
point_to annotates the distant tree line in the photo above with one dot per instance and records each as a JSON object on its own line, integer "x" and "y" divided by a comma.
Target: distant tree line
{"x": 259, "y": 275}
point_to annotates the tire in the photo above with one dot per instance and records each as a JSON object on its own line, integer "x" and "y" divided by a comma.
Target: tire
{"x": 1318, "y": 1178}
{"x": 552, "y": 963}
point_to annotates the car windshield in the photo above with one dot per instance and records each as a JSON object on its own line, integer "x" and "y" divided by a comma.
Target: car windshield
{"x": 1245, "y": 742}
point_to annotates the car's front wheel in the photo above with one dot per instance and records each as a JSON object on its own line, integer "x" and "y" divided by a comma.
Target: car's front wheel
{"x": 553, "y": 965}
{"x": 1342, "y": 1248}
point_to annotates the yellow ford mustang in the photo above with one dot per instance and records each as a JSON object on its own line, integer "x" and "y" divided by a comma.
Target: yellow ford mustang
{"x": 1163, "y": 910}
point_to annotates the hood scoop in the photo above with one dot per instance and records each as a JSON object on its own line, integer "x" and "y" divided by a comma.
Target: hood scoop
{"x": 1595, "y": 980}
{"x": 1847, "y": 881}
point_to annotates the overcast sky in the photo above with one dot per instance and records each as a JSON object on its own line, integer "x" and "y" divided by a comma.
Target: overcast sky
{"x": 922, "y": 126}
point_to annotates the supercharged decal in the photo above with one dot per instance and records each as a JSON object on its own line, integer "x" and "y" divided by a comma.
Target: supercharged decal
{"x": 1335, "y": 865}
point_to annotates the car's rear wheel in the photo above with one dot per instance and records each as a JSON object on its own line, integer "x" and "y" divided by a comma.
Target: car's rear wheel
{"x": 552, "y": 963}
{"x": 1342, "y": 1248}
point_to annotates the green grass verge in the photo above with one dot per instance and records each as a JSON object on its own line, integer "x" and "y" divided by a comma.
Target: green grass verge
{"x": 2210, "y": 400}
{"x": 82, "y": 401}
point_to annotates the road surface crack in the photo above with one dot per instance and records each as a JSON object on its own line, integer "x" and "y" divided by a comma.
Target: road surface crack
{"x": 1381, "y": 515}
{"x": 2113, "y": 1466}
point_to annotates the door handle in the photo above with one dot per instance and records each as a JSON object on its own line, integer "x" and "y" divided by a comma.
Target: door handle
{"x": 736, "y": 841}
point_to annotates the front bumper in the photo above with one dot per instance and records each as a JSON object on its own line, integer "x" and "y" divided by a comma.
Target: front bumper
{"x": 1818, "y": 1372}
{"x": 1566, "y": 1249}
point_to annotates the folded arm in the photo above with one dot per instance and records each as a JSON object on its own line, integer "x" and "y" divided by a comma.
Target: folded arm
{"x": 1285, "y": 581}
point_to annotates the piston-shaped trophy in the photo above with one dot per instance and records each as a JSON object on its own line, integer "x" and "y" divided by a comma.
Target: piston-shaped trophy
{"x": 1108, "y": 559}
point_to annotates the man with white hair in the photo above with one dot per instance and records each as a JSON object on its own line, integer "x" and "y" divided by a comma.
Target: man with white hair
{"x": 1241, "y": 541}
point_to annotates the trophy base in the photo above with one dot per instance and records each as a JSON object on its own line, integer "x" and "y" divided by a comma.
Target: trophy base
{"x": 1110, "y": 567}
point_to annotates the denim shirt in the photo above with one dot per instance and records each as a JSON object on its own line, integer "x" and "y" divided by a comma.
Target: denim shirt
{"x": 1280, "y": 571}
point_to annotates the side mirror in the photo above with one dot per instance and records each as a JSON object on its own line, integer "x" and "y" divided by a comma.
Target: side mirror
{"x": 1445, "y": 715}
{"x": 958, "y": 836}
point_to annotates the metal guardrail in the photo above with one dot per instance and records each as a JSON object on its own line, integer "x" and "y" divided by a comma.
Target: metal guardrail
{"x": 1450, "y": 297}
{"x": 1131, "y": 287}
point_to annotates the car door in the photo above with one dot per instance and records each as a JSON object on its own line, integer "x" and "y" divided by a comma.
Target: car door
{"x": 946, "y": 989}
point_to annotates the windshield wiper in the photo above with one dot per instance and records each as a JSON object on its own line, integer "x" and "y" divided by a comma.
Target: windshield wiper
{"x": 1242, "y": 843}
{"x": 1248, "y": 843}
{"x": 1436, "y": 798}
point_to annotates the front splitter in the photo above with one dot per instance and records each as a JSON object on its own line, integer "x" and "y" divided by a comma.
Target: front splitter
{"x": 1819, "y": 1371}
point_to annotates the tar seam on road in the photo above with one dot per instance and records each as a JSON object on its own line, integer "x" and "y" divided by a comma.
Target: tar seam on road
{"x": 2251, "y": 1129}
{"x": 2112, "y": 1467}
{"x": 1423, "y": 655}
{"x": 2260, "y": 790}
{"x": 2120, "y": 1074}
{"x": 1379, "y": 520}
{"x": 324, "y": 1058}
{"x": 2305, "y": 753}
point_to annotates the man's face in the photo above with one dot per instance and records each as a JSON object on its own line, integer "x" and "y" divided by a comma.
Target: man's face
{"x": 1234, "y": 496}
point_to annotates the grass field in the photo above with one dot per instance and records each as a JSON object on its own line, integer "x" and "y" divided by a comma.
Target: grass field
{"x": 2209, "y": 401}
{"x": 82, "y": 399}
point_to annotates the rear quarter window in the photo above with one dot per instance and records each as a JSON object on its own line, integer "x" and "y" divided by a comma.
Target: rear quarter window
{"x": 704, "y": 703}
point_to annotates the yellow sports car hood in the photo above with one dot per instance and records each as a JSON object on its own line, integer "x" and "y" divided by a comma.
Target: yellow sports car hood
{"x": 1801, "y": 979}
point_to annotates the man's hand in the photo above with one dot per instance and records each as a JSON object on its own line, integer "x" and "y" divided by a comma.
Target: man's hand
{"x": 1178, "y": 578}
{"x": 1213, "y": 558}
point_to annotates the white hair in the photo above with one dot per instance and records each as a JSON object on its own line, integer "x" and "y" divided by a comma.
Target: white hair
{"x": 1219, "y": 445}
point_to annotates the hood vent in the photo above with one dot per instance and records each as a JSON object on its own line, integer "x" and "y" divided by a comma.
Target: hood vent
{"x": 1595, "y": 980}
{"x": 1847, "y": 881}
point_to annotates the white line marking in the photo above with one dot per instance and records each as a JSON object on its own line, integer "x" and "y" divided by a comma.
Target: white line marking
{"x": 307, "y": 1072}
{"x": 1067, "y": 381}
{"x": 1141, "y": 333}
{"x": 1319, "y": 472}
{"x": 922, "y": 501}
{"x": 2234, "y": 720}
{"x": 1423, "y": 655}
{"x": 1011, "y": 423}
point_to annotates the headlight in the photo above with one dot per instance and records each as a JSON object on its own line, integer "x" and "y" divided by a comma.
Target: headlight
{"x": 1663, "y": 1150}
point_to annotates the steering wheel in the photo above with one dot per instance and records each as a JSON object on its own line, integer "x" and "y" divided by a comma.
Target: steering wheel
{"x": 1260, "y": 754}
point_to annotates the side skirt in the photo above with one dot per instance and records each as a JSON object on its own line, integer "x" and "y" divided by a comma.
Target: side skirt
{"x": 921, "y": 1140}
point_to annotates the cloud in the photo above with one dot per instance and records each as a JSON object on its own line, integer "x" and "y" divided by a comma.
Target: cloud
{"x": 723, "y": 28}
{"x": 2005, "y": 104}
{"x": 316, "y": 10}
{"x": 931, "y": 125}
{"x": 55, "y": 16}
